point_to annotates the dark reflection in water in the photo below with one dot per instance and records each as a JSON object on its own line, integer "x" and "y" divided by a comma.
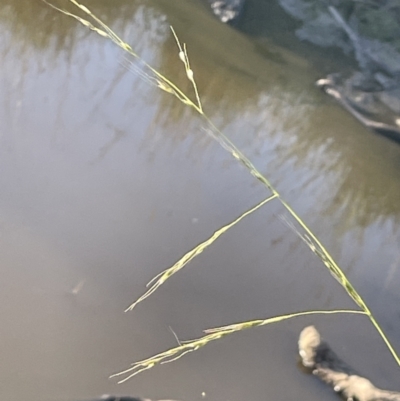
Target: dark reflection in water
{"x": 309, "y": 130}
{"x": 106, "y": 181}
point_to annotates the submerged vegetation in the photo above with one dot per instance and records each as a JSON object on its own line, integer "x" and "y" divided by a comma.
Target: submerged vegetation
{"x": 155, "y": 78}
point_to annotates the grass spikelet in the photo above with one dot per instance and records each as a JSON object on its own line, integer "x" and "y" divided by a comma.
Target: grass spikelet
{"x": 189, "y": 72}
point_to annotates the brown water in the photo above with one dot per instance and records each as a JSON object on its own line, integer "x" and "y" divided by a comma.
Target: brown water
{"x": 105, "y": 181}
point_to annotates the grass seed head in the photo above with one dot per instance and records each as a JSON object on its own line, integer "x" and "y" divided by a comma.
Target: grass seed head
{"x": 189, "y": 73}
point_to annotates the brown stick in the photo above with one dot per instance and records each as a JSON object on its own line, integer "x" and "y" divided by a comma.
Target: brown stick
{"x": 317, "y": 354}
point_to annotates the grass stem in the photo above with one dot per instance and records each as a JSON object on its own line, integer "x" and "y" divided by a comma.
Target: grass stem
{"x": 313, "y": 242}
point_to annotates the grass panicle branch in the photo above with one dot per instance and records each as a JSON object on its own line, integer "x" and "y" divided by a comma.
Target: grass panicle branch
{"x": 211, "y": 335}
{"x": 189, "y": 72}
{"x": 152, "y": 75}
{"x": 105, "y": 31}
{"x": 182, "y": 262}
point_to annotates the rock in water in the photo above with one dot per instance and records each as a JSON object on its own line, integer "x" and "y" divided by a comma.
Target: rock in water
{"x": 364, "y": 100}
{"x": 317, "y": 354}
{"x": 227, "y": 10}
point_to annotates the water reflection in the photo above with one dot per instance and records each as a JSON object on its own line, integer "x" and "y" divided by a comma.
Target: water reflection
{"x": 304, "y": 142}
{"x": 296, "y": 126}
{"x": 115, "y": 180}
{"x": 283, "y": 108}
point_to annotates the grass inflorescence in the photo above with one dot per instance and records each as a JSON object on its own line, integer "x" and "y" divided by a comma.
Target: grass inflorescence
{"x": 211, "y": 335}
{"x": 152, "y": 76}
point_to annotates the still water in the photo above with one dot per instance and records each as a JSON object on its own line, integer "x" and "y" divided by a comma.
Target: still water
{"x": 105, "y": 181}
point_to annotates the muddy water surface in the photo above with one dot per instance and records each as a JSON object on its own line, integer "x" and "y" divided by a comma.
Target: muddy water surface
{"x": 105, "y": 181}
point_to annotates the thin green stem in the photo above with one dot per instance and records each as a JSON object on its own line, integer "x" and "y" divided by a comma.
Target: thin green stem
{"x": 383, "y": 335}
{"x": 168, "y": 86}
